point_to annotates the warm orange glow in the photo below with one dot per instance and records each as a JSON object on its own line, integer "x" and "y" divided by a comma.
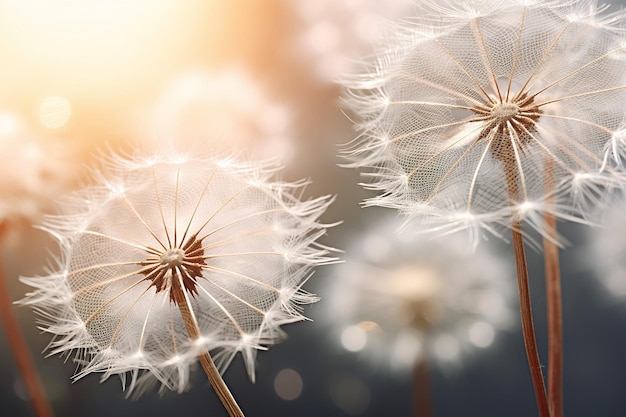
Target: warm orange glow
{"x": 107, "y": 58}
{"x": 8, "y": 124}
{"x": 89, "y": 45}
{"x": 97, "y": 29}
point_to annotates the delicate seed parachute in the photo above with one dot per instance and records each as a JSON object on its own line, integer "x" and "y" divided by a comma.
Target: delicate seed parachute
{"x": 476, "y": 112}
{"x": 163, "y": 235}
{"x": 401, "y": 300}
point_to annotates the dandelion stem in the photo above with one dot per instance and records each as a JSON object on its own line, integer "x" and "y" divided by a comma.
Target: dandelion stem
{"x": 528, "y": 328}
{"x": 220, "y": 386}
{"x": 555, "y": 318}
{"x": 422, "y": 390}
{"x": 21, "y": 353}
{"x": 213, "y": 375}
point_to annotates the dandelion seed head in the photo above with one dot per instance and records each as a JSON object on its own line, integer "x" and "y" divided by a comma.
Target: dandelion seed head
{"x": 422, "y": 297}
{"x": 481, "y": 334}
{"x": 175, "y": 241}
{"x": 230, "y": 106}
{"x": 331, "y": 31}
{"x": 509, "y": 102}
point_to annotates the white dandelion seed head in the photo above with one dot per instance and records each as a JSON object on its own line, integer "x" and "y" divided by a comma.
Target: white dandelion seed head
{"x": 229, "y": 105}
{"x": 510, "y": 102}
{"x": 176, "y": 235}
{"x": 397, "y": 300}
{"x": 33, "y": 171}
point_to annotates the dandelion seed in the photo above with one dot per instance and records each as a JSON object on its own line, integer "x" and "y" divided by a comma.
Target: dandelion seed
{"x": 183, "y": 259}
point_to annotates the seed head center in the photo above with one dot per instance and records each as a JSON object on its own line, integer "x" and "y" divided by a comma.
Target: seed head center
{"x": 172, "y": 257}
{"x": 505, "y": 111}
{"x": 176, "y": 270}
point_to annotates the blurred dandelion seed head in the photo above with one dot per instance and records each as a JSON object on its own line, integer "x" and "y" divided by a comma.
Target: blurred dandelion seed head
{"x": 415, "y": 299}
{"x": 485, "y": 106}
{"x": 333, "y": 30}
{"x": 158, "y": 233}
{"x": 229, "y": 106}
{"x": 33, "y": 171}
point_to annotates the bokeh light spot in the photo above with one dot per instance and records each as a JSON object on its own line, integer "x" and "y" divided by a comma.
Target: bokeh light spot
{"x": 8, "y": 124}
{"x": 55, "y": 112}
{"x": 353, "y": 338}
{"x": 288, "y": 384}
{"x": 447, "y": 347}
{"x": 481, "y": 334}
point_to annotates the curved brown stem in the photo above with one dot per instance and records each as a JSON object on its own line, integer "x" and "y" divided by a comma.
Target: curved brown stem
{"x": 213, "y": 375}
{"x": 555, "y": 315}
{"x": 21, "y": 352}
{"x": 528, "y": 328}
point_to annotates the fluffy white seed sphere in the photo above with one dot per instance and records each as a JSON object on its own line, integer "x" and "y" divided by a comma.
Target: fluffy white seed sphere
{"x": 479, "y": 111}
{"x": 162, "y": 235}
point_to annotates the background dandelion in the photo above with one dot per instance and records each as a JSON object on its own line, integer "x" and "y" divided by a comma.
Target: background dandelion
{"x": 410, "y": 296}
{"x": 405, "y": 303}
{"x": 32, "y": 170}
{"x": 400, "y": 300}
{"x": 330, "y": 35}
{"x": 227, "y": 109}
